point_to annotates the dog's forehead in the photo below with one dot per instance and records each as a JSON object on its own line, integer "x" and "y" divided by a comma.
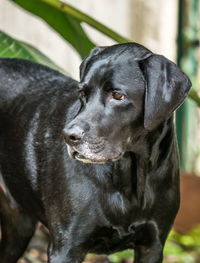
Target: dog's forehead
{"x": 98, "y": 68}
{"x": 122, "y": 68}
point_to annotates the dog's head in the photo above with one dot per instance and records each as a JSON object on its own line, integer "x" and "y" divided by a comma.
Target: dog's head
{"x": 124, "y": 89}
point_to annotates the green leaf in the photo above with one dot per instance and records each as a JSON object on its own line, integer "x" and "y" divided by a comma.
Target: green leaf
{"x": 66, "y": 25}
{"x": 12, "y": 48}
{"x": 121, "y": 256}
{"x": 82, "y": 17}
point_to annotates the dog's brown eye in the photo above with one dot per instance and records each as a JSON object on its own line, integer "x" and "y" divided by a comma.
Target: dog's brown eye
{"x": 118, "y": 96}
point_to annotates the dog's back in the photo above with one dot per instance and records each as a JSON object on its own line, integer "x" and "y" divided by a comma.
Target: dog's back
{"x": 20, "y": 76}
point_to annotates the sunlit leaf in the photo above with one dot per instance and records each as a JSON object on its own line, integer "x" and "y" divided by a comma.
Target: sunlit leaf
{"x": 12, "y": 48}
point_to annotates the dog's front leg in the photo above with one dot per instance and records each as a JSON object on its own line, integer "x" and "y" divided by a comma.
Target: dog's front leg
{"x": 65, "y": 254}
{"x": 146, "y": 254}
{"x": 148, "y": 243}
{"x": 69, "y": 241}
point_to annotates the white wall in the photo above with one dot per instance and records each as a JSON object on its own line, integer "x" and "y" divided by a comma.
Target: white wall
{"x": 154, "y": 24}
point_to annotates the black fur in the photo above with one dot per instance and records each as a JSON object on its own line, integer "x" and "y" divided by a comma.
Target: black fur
{"x": 115, "y": 184}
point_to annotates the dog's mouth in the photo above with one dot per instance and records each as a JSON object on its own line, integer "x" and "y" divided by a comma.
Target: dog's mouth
{"x": 91, "y": 159}
{"x": 84, "y": 159}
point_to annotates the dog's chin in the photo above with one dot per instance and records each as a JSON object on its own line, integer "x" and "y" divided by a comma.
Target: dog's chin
{"x": 92, "y": 159}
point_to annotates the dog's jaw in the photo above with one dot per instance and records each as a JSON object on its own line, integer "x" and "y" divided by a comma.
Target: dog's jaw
{"x": 90, "y": 158}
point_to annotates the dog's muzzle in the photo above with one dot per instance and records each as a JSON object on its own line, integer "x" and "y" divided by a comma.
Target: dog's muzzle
{"x": 88, "y": 149}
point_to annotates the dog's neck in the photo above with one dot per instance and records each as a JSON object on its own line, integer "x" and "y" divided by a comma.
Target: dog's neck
{"x": 149, "y": 155}
{"x": 152, "y": 146}
{"x": 136, "y": 174}
{"x": 132, "y": 174}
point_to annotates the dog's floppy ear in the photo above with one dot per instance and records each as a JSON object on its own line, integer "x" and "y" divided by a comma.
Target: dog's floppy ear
{"x": 95, "y": 51}
{"x": 166, "y": 88}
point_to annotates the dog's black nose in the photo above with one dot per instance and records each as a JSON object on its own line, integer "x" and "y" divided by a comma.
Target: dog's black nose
{"x": 73, "y": 135}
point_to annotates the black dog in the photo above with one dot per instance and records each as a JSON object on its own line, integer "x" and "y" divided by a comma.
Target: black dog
{"x": 120, "y": 189}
